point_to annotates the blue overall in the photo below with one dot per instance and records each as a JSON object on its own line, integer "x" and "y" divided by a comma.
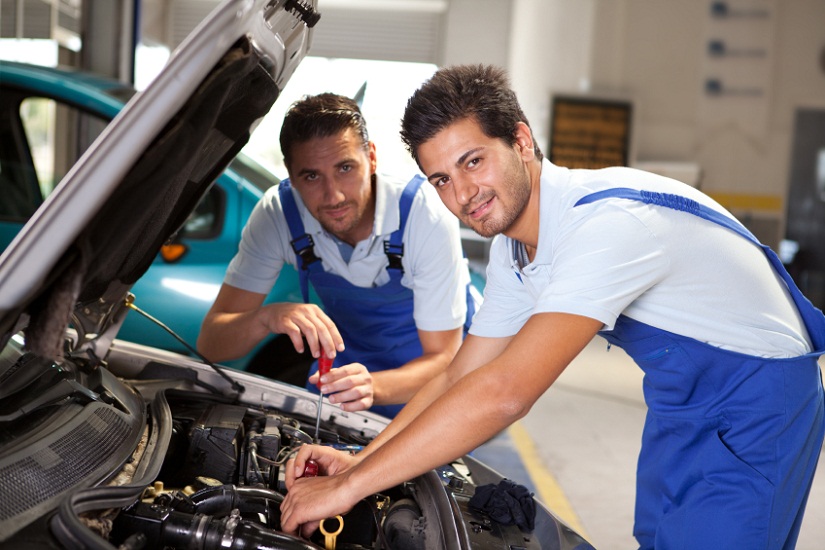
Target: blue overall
{"x": 376, "y": 323}
{"x": 731, "y": 441}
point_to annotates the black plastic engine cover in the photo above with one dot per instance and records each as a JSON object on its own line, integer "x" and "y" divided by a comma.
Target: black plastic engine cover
{"x": 215, "y": 440}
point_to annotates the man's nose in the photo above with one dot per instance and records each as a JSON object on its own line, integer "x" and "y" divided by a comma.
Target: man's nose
{"x": 465, "y": 190}
{"x": 332, "y": 191}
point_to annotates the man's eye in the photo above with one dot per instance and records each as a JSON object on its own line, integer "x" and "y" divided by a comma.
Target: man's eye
{"x": 346, "y": 168}
{"x": 311, "y": 177}
{"x": 441, "y": 182}
{"x": 473, "y": 162}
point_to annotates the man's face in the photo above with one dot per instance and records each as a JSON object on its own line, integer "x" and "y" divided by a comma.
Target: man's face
{"x": 482, "y": 180}
{"x": 333, "y": 176}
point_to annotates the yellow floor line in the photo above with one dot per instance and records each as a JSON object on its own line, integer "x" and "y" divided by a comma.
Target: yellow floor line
{"x": 550, "y": 493}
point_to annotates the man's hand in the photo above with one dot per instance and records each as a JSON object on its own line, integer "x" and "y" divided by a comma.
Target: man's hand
{"x": 313, "y": 499}
{"x": 330, "y": 462}
{"x": 238, "y": 321}
{"x": 352, "y": 386}
{"x": 303, "y": 321}
{"x": 356, "y": 389}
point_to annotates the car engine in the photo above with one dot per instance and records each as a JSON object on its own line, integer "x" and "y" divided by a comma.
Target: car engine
{"x": 222, "y": 484}
{"x": 166, "y": 460}
{"x": 151, "y": 449}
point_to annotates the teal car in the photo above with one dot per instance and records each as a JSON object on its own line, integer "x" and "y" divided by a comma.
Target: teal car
{"x": 48, "y": 118}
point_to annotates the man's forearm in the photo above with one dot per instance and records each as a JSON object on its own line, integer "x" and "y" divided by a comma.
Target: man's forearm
{"x": 435, "y": 432}
{"x": 473, "y": 352}
{"x": 227, "y": 336}
{"x": 488, "y": 397}
{"x": 401, "y": 384}
{"x": 420, "y": 401}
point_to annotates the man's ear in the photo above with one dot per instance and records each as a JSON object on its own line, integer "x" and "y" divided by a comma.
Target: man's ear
{"x": 373, "y": 157}
{"x": 524, "y": 141}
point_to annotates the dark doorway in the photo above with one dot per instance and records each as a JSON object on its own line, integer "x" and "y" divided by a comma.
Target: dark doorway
{"x": 806, "y": 204}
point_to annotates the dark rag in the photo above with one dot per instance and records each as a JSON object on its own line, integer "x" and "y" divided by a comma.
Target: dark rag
{"x": 507, "y": 503}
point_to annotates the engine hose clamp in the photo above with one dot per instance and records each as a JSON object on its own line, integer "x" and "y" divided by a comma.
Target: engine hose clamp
{"x": 229, "y": 528}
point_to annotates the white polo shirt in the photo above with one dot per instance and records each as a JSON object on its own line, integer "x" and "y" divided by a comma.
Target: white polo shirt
{"x": 434, "y": 264}
{"x": 665, "y": 268}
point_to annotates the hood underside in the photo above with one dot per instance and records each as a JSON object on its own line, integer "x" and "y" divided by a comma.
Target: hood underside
{"x": 156, "y": 196}
{"x": 170, "y": 178}
{"x": 101, "y": 229}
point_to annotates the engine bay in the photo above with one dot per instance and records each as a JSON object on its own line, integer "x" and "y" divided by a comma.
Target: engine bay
{"x": 222, "y": 483}
{"x": 155, "y": 450}
{"x": 90, "y": 459}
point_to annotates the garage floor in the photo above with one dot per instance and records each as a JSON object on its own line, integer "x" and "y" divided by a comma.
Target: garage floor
{"x": 577, "y": 450}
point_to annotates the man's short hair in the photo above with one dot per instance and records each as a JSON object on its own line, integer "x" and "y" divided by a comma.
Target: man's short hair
{"x": 455, "y": 93}
{"x": 319, "y": 116}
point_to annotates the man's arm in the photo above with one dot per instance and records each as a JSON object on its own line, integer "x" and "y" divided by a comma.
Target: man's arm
{"x": 498, "y": 393}
{"x": 399, "y": 385}
{"x": 474, "y": 352}
{"x": 238, "y": 321}
{"x": 355, "y": 388}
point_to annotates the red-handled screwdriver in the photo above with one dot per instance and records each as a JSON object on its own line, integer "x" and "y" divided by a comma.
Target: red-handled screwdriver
{"x": 324, "y": 364}
{"x": 310, "y": 469}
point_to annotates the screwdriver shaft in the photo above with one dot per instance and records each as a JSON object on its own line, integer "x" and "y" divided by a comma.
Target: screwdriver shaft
{"x": 324, "y": 364}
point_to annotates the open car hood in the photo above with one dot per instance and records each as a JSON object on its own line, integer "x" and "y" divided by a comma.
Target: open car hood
{"x": 99, "y": 231}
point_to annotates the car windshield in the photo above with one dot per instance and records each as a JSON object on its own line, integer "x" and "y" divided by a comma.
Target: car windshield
{"x": 253, "y": 172}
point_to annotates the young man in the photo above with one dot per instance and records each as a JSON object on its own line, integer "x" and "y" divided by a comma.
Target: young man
{"x": 383, "y": 255}
{"x": 727, "y": 342}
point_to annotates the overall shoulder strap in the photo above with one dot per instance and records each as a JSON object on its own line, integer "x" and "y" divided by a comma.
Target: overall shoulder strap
{"x": 301, "y": 241}
{"x": 394, "y": 246}
{"x": 813, "y": 318}
{"x": 676, "y": 202}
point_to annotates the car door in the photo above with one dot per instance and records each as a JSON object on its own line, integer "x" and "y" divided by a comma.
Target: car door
{"x": 40, "y": 139}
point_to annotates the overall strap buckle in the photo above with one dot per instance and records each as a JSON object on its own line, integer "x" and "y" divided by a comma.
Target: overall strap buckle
{"x": 394, "y": 254}
{"x": 304, "y": 247}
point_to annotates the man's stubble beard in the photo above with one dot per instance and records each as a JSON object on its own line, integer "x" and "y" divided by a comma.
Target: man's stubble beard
{"x": 519, "y": 192}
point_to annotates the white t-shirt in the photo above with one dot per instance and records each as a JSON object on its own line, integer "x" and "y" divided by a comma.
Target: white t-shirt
{"x": 662, "y": 267}
{"x": 434, "y": 264}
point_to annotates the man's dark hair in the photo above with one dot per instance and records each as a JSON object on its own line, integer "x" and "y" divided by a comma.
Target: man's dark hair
{"x": 458, "y": 92}
{"x": 319, "y": 116}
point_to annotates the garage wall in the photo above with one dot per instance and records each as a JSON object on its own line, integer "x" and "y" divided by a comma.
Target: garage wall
{"x": 390, "y": 30}
{"x": 443, "y": 32}
{"x": 655, "y": 53}
{"x": 477, "y": 31}
{"x": 550, "y": 52}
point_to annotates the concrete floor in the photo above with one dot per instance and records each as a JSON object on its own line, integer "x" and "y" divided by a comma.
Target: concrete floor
{"x": 586, "y": 431}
